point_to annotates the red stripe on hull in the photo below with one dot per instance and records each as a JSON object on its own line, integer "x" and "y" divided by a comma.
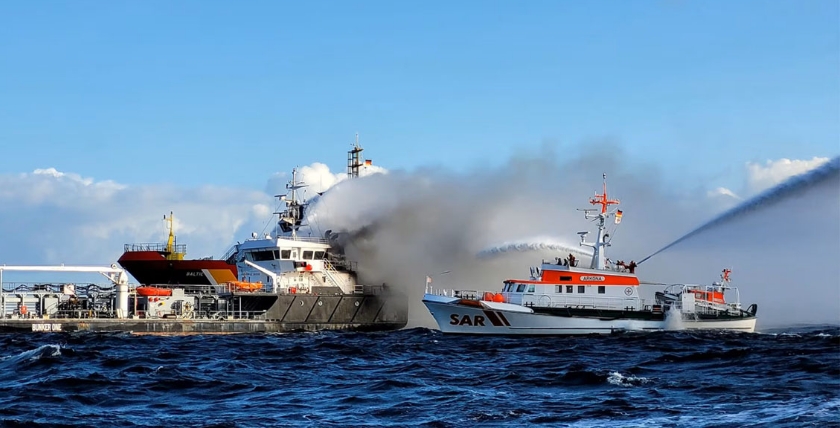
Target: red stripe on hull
{"x": 151, "y": 267}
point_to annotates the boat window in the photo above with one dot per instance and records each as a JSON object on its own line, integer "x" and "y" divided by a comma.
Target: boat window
{"x": 570, "y": 288}
{"x": 319, "y": 255}
{"x": 307, "y": 255}
{"x": 565, "y": 278}
{"x": 294, "y": 255}
{"x": 520, "y": 288}
{"x": 531, "y": 288}
{"x": 276, "y": 254}
{"x": 559, "y": 289}
{"x": 602, "y": 289}
{"x": 263, "y": 255}
{"x": 581, "y": 288}
{"x": 285, "y": 254}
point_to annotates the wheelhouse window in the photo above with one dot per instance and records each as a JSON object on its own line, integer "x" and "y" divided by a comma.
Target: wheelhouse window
{"x": 520, "y": 288}
{"x": 261, "y": 256}
{"x": 602, "y": 289}
{"x": 307, "y": 255}
{"x": 581, "y": 289}
{"x": 531, "y": 288}
{"x": 570, "y": 288}
{"x": 320, "y": 255}
{"x": 285, "y": 254}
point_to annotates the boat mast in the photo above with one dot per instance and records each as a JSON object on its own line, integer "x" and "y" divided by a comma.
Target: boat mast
{"x": 293, "y": 215}
{"x": 354, "y": 161}
{"x": 599, "y": 256}
{"x": 170, "y": 243}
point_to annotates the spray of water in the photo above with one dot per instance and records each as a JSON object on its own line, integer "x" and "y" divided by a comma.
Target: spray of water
{"x": 791, "y": 187}
{"x": 533, "y": 244}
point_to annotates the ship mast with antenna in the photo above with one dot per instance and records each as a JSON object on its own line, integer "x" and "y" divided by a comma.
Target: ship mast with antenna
{"x": 599, "y": 256}
{"x": 354, "y": 159}
{"x": 292, "y": 218}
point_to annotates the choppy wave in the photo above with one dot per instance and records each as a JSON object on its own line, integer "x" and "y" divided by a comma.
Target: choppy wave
{"x": 419, "y": 377}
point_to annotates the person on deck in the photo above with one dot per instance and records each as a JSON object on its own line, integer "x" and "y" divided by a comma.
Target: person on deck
{"x": 571, "y": 259}
{"x": 632, "y": 266}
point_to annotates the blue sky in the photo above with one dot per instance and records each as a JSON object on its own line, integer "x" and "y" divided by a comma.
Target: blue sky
{"x": 227, "y": 93}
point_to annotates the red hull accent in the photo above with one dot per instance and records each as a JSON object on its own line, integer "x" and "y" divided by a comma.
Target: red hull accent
{"x": 151, "y": 267}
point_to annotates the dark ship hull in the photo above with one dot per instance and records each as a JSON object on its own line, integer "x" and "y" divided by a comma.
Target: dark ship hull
{"x": 373, "y": 309}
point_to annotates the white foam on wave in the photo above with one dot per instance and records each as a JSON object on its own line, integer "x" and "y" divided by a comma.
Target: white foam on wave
{"x": 33, "y": 354}
{"x": 673, "y": 320}
{"x": 726, "y": 414}
{"x": 619, "y": 379}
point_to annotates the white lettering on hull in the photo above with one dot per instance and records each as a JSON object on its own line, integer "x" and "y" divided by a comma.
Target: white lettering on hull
{"x": 46, "y": 327}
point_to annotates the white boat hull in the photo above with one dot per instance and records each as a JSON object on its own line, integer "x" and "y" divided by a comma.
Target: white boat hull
{"x": 740, "y": 324}
{"x": 460, "y": 319}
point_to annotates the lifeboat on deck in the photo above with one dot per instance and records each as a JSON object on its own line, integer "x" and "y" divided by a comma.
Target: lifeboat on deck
{"x": 153, "y": 291}
{"x": 246, "y": 286}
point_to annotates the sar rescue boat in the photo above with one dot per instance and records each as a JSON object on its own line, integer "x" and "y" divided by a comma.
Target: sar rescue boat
{"x": 563, "y": 298}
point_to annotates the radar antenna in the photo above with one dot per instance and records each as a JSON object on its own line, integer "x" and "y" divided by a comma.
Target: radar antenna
{"x": 599, "y": 246}
{"x": 292, "y": 217}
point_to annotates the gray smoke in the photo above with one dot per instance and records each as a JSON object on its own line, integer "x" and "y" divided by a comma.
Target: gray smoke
{"x": 405, "y": 225}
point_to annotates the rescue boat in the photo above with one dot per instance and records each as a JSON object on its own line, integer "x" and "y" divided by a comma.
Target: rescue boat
{"x": 563, "y": 298}
{"x": 245, "y": 286}
{"x": 153, "y": 291}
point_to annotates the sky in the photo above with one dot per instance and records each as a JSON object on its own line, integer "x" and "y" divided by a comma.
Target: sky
{"x": 113, "y": 114}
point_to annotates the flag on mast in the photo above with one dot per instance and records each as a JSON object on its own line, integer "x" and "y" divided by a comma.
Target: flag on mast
{"x": 618, "y": 217}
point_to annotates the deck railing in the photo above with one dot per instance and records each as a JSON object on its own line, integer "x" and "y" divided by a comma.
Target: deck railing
{"x": 131, "y": 248}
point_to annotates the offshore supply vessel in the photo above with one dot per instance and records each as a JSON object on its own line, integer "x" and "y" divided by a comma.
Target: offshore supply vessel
{"x": 285, "y": 282}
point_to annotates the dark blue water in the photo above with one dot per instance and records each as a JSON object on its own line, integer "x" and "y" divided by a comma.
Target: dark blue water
{"x": 419, "y": 377}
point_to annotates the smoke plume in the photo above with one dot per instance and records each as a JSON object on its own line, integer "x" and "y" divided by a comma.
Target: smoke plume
{"x": 406, "y": 225}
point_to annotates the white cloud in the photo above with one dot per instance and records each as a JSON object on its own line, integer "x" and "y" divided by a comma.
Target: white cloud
{"x": 761, "y": 177}
{"x": 49, "y": 216}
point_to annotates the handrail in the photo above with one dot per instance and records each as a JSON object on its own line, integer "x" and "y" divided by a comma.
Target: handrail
{"x": 132, "y": 248}
{"x": 305, "y": 239}
{"x": 328, "y": 272}
{"x": 230, "y": 252}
